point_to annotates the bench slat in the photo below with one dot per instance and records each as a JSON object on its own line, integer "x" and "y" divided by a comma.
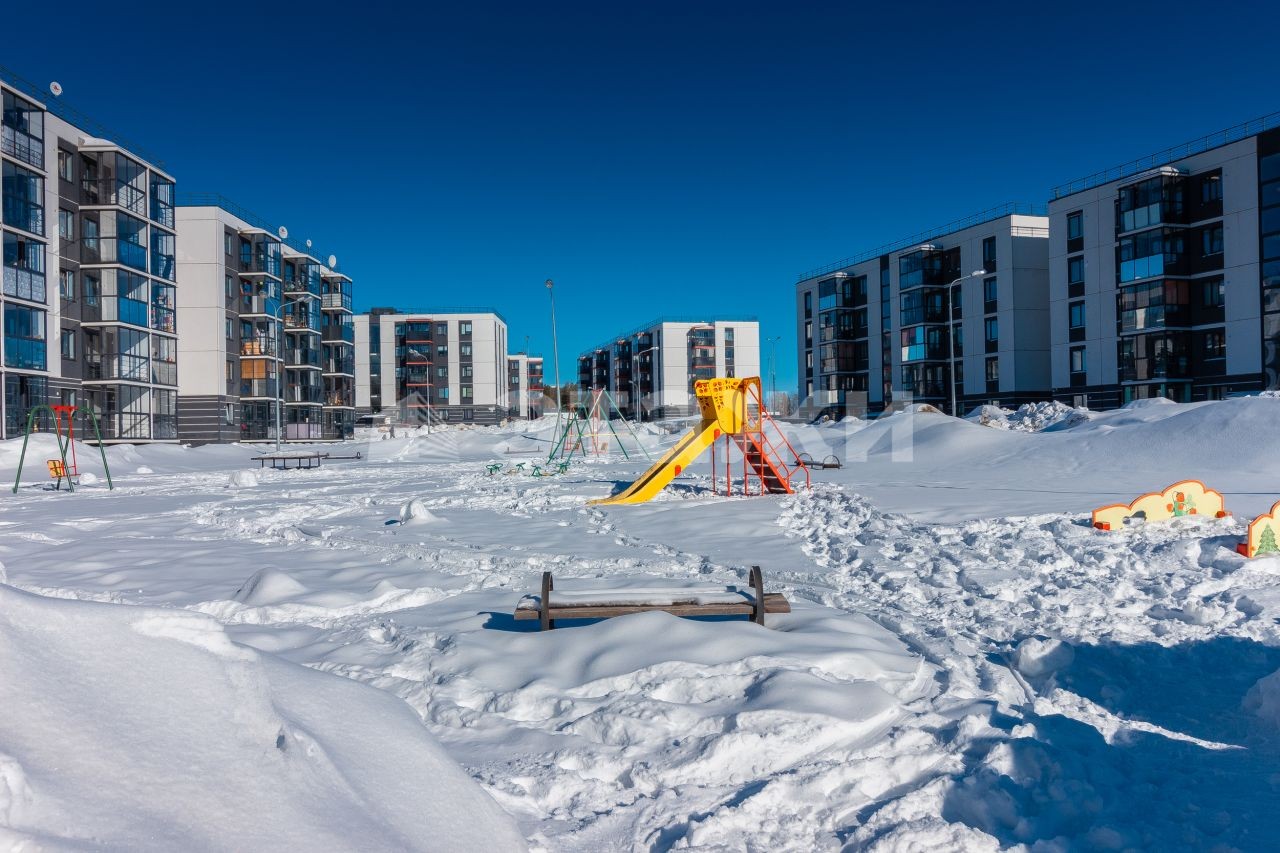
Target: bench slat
{"x": 774, "y": 602}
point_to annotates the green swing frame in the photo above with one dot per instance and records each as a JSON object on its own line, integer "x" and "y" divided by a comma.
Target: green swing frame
{"x": 64, "y": 442}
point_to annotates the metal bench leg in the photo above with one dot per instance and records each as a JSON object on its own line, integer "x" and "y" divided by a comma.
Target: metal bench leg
{"x": 545, "y": 622}
{"x": 756, "y": 580}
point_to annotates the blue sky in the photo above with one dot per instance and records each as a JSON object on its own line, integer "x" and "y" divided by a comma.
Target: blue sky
{"x": 651, "y": 158}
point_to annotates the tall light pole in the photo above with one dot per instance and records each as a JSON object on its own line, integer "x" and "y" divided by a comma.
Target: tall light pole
{"x": 951, "y": 334}
{"x": 773, "y": 368}
{"x": 555, "y": 347}
{"x": 279, "y": 315}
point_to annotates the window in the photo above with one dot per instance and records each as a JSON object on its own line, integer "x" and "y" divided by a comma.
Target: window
{"x": 465, "y": 350}
{"x": 1213, "y": 240}
{"x": 92, "y": 289}
{"x": 22, "y": 130}
{"x": 67, "y": 284}
{"x": 1077, "y": 360}
{"x": 992, "y": 329}
{"x": 808, "y": 333}
{"x": 442, "y": 330}
{"x": 993, "y": 370}
{"x": 808, "y": 303}
{"x": 464, "y": 327}
{"x": 229, "y": 410}
{"x": 226, "y": 244}
{"x": 66, "y": 165}
{"x": 1215, "y": 344}
{"x": 467, "y": 371}
{"x": 66, "y": 225}
{"x": 230, "y": 333}
{"x": 442, "y": 372}
{"x": 1075, "y": 225}
{"x": 24, "y": 341}
{"x": 1075, "y": 269}
{"x": 90, "y": 240}
{"x": 229, "y": 288}
{"x": 1212, "y": 293}
{"x": 989, "y": 254}
{"x": 23, "y": 198}
{"x": 1076, "y": 313}
{"x": 442, "y": 349}
{"x": 989, "y": 290}
{"x": 23, "y": 268}
{"x": 69, "y": 344}
{"x": 466, "y": 392}
{"x": 1211, "y": 189}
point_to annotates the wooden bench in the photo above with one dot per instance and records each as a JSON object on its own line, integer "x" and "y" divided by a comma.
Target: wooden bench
{"x": 280, "y": 461}
{"x": 604, "y": 604}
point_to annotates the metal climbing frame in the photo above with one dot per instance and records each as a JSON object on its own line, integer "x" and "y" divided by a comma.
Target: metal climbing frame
{"x": 65, "y": 441}
{"x": 597, "y": 412}
{"x": 761, "y": 443}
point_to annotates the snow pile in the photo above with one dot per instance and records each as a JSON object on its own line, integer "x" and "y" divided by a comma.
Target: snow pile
{"x": 88, "y": 478}
{"x": 1030, "y": 417}
{"x": 141, "y": 728}
{"x": 1036, "y": 657}
{"x": 416, "y": 512}
{"x": 1263, "y": 699}
{"x": 143, "y": 469}
{"x": 242, "y": 480}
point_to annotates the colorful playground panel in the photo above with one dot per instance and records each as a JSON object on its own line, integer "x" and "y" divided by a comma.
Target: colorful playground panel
{"x": 1261, "y": 538}
{"x": 1188, "y": 497}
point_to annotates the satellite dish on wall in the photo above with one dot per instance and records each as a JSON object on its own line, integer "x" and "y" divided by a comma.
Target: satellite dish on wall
{"x": 56, "y": 88}
{"x": 333, "y": 262}
{"x": 308, "y": 244}
{"x": 283, "y": 232}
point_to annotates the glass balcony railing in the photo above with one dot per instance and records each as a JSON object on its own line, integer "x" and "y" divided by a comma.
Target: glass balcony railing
{"x": 341, "y": 365}
{"x": 22, "y": 146}
{"x": 164, "y": 373}
{"x": 338, "y": 332}
{"x": 296, "y": 357}
{"x": 106, "y": 250}
{"x": 20, "y": 213}
{"x": 100, "y": 367}
{"x": 303, "y": 394}
{"x": 97, "y": 191}
{"x": 24, "y": 353}
{"x": 258, "y": 388}
{"x": 268, "y": 305}
{"x": 24, "y": 284}
{"x": 336, "y": 301}
{"x": 258, "y": 345}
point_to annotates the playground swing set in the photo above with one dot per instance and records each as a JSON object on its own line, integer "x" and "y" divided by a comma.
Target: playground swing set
{"x": 589, "y": 432}
{"x": 64, "y": 426}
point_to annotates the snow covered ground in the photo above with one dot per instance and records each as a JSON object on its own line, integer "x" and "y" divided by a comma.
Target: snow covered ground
{"x": 967, "y": 665}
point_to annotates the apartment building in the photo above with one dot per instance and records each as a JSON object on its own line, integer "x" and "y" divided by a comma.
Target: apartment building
{"x": 267, "y": 332}
{"x": 650, "y": 371}
{"x": 89, "y": 234}
{"x": 525, "y": 389}
{"x": 1165, "y": 274}
{"x": 966, "y": 303}
{"x": 440, "y": 366}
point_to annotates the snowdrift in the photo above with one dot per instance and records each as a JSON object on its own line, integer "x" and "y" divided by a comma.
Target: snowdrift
{"x": 144, "y": 728}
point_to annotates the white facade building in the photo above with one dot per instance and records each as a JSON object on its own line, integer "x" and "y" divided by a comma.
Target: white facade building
{"x": 872, "y": 330}
{"x": 445, "y": 366}
{"x": 266, "y": 333}
{"x": 525, "y": 388}
{"x": 650, "y": 371}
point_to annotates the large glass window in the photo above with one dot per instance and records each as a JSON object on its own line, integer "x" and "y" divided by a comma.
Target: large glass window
{"x": 163, "y": 307}
{"x": 991, "y": 326}
{"x": 130, "y": 238}
{"x": 1076, "y": 315}
{"x": 989, "y": 254}
{"x": 1212, "y": 240}
{"x": 1149, "y": 254}
{"x": 162, "y": 254}
{"x": 162, "y": 198}
{"x": 23, "y": 192}
{"x": 1154, "y": 304}
{"x": 1150, "y": 202}
{"x": 131, "y": 297}
{"x": 22, "y": 130}
{"x": 164, "y": 360}
{"x": 1077, "y": 360}
{"x": 23, "y": 267}
{"x": 24, "y": 337}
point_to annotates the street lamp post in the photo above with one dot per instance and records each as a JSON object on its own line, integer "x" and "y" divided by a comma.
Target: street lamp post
{"x": 773, "y": 368}
{"x": 555, "y": 347}
{"x": 279, "y": 315}
{"x": 951, "y": 335}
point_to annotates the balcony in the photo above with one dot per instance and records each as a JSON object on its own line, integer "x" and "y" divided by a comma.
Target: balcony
{"x": 27, "y": 215}
{"x": 116, "y": 367}
{"x": 302, "y": 357}
{"x": 22, "y": 146}
{"x": 164, "y": 372}
{"x": 109, "y": 191}
{"x": 268, "y": 306}
{"x": 301, "y": 286}
{"x": 336, "y": 302}
{"x": 258, "y": 345}
{"x": 298, "y": 323}
{"x": 343, "y": 332}
{"x": 338, "y": 399}
{"x": 258, "y": 388}
{"x": 116, "y": 309}
{"x": 346, "y": 366}
{"x": 24, "y": 283}
{"x": 114, "y": 250}
{"x": 304, "y": 394}
{"x": 24, "y": 353}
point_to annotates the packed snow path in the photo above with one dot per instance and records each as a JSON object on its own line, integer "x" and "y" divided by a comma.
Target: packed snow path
{"x": 989, "y": 680}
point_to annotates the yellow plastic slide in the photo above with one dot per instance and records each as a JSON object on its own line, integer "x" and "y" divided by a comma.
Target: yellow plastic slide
{"x": 689, "y": 448}
{"x": 721, "y": 402}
